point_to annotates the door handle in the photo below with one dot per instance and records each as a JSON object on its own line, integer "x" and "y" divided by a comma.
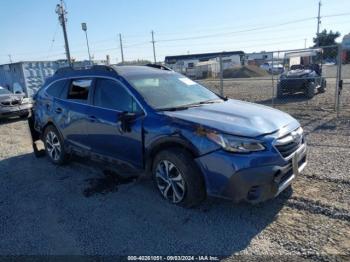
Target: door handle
{"x": 92, "y": 118}
{"x": 58, "y": 110}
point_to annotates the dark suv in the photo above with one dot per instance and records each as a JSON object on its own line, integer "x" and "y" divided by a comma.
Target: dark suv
{"x": 192, "y": 142}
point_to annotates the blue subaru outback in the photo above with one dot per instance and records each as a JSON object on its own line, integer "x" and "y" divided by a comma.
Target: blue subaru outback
{"x": 191, "y": 141}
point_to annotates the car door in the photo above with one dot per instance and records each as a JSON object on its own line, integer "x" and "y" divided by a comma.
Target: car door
{"x": 105, "y": 131}
{"x": 74, "y": 108}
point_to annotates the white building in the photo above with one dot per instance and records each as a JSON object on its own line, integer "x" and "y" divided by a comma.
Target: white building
{"x": 258, "y": 58}
{"x": 203, "y": 65}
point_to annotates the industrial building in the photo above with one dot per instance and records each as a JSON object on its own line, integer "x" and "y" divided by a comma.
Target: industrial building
{"x": 28, "y": 76}
{"x": 258, "y": 58}
{"x": 204, "y": 65}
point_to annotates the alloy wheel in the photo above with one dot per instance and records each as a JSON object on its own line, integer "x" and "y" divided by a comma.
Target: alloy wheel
{"x": 170, "y": 181}
{"x": 53, "y": 146}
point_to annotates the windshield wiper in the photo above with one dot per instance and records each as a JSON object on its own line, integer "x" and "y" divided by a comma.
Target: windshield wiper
{"x": 184, "y": 107}
{"x": 211, "y": 101}
{"x": 175, "y": 108}
{"x": 178, "y": 108}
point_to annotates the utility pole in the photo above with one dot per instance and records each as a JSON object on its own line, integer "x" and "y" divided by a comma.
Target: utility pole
{"x": 318, "y": 23}
{"x": 60, "y": 10}
{"x": 10, "y": 57}
{"x": 154, "y": 48}
{"x": 84, "y": 27}
{"x": 305, "y": 39}
{"x": 121, "y": 47}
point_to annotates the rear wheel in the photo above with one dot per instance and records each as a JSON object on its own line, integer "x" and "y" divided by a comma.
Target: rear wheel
{"x": 54, "y": 146}
{"x": 279, "y": 91}
{"x": 177, "y": 178}
{"x": 24, "y": 115}
{"x": 310, "y": 90}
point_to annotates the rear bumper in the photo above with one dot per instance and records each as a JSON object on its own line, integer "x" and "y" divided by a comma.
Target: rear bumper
{"x": 231, "y": 178}
{"x": 15, "y": 110}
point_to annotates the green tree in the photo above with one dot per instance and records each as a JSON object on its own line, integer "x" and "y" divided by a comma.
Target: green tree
{"x": 327, "y": 39}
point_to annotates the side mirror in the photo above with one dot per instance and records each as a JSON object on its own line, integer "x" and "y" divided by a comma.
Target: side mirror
{"x": 126, "y": 119}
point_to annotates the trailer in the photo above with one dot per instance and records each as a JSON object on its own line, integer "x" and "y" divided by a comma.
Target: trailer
{"x": 27, "y": 77}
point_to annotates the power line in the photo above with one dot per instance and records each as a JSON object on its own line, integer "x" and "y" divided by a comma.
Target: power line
{"x": 235, "y": 32}
{"x": 251, "y": 29}
{"x": 224, "y": 34}
{"x": 53, "y": 39}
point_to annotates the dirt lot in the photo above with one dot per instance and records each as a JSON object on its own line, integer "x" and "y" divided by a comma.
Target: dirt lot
{"x": 45, "y": 209}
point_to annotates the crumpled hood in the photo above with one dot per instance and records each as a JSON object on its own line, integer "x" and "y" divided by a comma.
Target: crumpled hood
{"x": 238, "y": 118}
{"x": 11, "y": 97}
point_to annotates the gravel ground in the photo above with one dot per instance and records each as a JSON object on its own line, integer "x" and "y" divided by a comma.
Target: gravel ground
{"x": 45, "y": 209}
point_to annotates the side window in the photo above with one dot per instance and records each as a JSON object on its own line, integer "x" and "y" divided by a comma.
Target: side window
{"x": 112, "y": 95}
{"x": 79, "y": 90}
{"x": 56, "y": 88}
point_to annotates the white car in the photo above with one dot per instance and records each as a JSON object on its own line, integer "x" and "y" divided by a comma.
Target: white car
{"x": 275, "y": 68}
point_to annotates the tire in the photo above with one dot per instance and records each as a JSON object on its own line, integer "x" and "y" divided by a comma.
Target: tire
{"x": 183, "y": 176}
{"x": 54, "y": 146}
{"x": 279, "y": 91}
{"x": 310, "y": 90}
{"x": 323, "y": 86}
{"x": 25, "y": 115}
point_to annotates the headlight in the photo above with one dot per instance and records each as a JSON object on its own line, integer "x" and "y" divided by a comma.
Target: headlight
{"x": 236, "y": 144}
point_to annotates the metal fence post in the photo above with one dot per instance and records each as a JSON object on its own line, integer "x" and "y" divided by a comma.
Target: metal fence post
{"x": 338, "y": 79}
{"x": 221, "y": 77}
{"x": 273, "y": 83}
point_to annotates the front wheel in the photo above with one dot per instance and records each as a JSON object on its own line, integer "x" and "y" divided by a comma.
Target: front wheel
{"x": 323, "y": 86}
{"x": 177, "y": 178}
{"x": 54, "y": 146}
{"x": 310, "y": 90}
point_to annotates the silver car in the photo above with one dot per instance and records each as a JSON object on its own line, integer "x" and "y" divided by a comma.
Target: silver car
{"x": 13, "y": 104}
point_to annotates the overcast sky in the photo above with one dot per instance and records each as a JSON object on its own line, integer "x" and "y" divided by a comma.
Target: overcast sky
{"x": 29, "y": 27}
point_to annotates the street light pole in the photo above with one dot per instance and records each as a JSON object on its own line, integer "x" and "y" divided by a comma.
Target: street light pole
{"x": 84, "y": 27}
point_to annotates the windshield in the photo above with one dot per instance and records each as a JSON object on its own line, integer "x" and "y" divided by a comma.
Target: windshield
{"x": 162, "y": 91}
{"x": 4, "y": 91}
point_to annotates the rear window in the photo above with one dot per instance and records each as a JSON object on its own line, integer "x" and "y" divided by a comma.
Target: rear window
{"x": 56, "y": 88}
{"x": 79, "y": 90}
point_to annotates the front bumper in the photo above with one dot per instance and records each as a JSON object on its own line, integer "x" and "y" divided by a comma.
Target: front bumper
{"x": 19, "y": 110}
{"x": 254, "y": 178}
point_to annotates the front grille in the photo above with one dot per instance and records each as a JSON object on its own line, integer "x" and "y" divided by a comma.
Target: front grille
{"x": 6, "y": 103}
{"x": 288, "y": 144}
{"x": 11, "y": 103}
{"x": 289, "y": 173}
{"x": 15, "y": 102}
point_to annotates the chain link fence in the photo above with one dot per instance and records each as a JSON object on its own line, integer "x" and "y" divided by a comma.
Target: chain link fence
{"x": 300, "y": 81}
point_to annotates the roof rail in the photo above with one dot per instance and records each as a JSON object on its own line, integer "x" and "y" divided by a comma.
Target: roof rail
{"x": 161, "y": 67}
{"x": 94, "y": 67}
